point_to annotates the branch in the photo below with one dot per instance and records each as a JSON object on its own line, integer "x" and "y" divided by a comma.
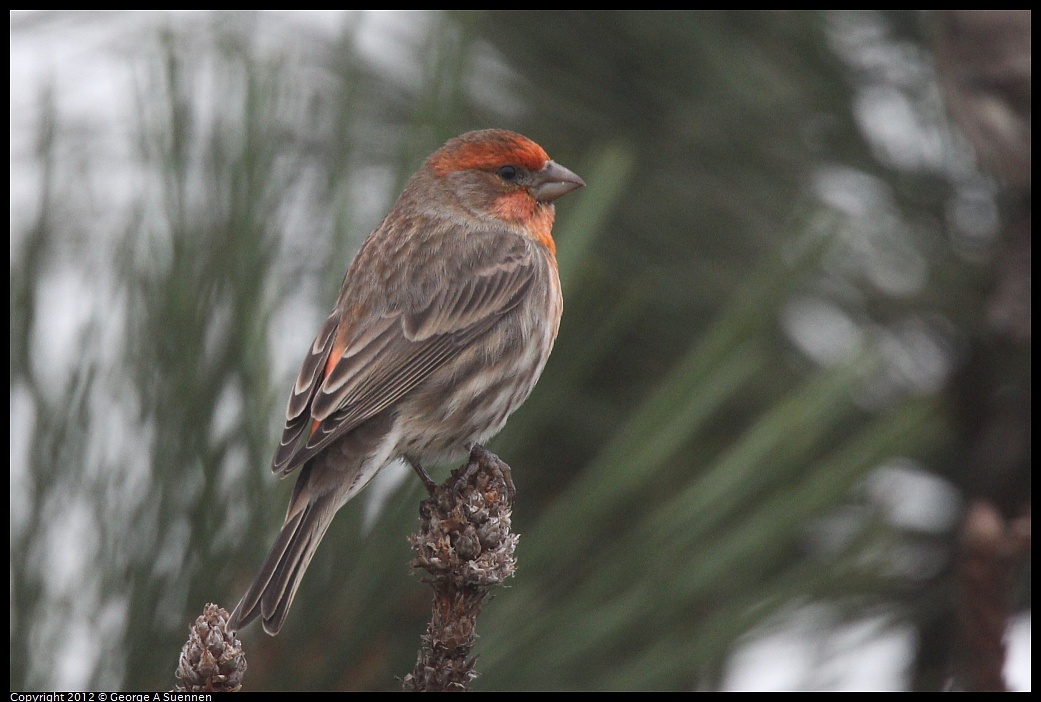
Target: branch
{"x": 466, "y": 546}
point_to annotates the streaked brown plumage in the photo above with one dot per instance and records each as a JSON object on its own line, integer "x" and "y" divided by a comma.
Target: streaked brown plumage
{"x": 445, "y": 321}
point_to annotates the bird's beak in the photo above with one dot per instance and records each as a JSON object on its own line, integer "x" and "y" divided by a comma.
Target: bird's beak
{"x": 554, "y": 181}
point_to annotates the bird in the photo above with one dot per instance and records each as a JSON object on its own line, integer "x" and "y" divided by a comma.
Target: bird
{"x": 444, "y": 322}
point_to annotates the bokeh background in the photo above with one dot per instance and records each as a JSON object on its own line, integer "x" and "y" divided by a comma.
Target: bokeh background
{"x": 748, "y": 460}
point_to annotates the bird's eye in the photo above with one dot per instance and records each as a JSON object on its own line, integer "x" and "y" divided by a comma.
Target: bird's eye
{"x": 507, "y": 172}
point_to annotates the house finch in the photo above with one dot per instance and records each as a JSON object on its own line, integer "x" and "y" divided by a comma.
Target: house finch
{"x": 443, "y": 325}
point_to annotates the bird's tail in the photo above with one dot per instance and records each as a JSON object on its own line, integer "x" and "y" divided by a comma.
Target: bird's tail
{"x": 272, "y": 591}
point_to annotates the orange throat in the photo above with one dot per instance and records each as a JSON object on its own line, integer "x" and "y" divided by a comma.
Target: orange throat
{"x": 522, "y": 209}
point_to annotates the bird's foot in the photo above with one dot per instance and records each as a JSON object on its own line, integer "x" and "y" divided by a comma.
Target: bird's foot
{"x": 482, "y": 457}
{"x": 428, "y": 482}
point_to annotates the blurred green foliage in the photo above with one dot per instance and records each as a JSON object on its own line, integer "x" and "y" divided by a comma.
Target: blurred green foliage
{"x": 680, "y": 461}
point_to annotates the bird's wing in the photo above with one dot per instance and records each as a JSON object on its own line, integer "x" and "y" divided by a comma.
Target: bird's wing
{"x": 359, "y": 367}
